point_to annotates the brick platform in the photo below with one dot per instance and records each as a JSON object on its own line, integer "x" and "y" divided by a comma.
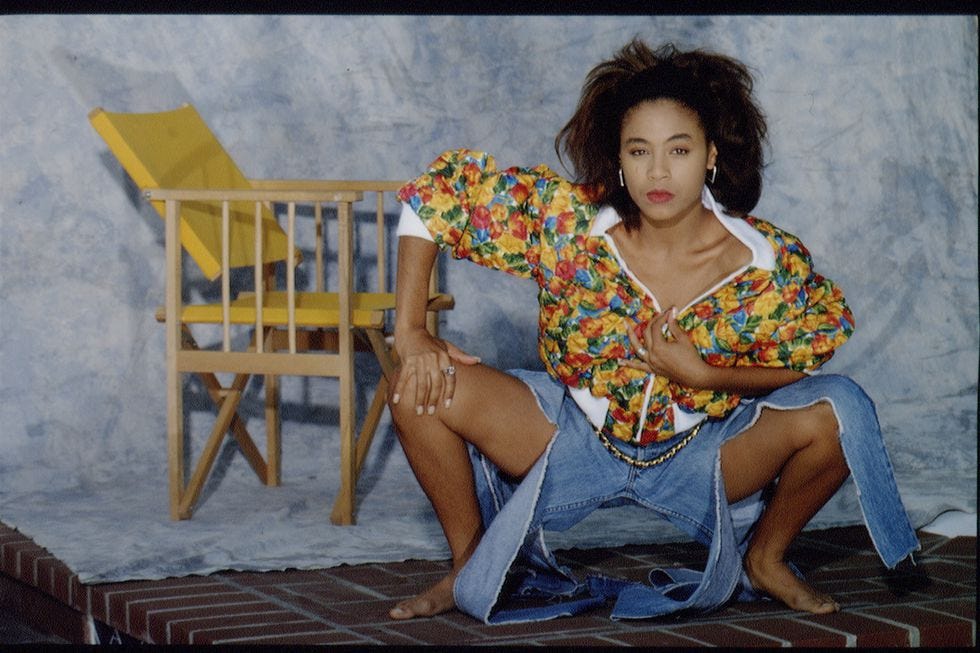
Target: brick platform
{"x": 930, "y": 604}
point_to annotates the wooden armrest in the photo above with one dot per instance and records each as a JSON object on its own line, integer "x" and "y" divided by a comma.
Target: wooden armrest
{"x": 253, "y": 195}
{"x": 326, "y": 184}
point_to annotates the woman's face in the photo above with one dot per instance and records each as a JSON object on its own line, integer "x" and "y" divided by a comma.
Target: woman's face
{"x": 664, "y": 154}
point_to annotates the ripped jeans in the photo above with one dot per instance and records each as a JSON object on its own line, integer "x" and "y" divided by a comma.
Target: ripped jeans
{"x": 577, "y": 475}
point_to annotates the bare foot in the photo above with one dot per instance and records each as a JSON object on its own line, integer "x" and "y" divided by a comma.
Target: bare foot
{"x": 435, "y": 600}
{"x": 776, "y": 579}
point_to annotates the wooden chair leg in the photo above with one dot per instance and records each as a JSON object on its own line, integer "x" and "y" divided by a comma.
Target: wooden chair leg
{"x": 353, "y": 452}
{"x": 273, "y": 444}
{"x": 175, "y": 438}
{"x": 183, "y": 498}
{"x": 343, "y": 509}
{"x": 366, "y": 436}
{"x": 209, "y": 453}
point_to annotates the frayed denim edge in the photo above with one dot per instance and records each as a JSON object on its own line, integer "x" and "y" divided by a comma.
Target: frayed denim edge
{"x": 840, "y": 432}
{"x": 485, "y": 618}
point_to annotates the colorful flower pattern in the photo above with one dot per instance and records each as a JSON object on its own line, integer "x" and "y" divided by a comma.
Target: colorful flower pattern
{"x": 533, "y": 223}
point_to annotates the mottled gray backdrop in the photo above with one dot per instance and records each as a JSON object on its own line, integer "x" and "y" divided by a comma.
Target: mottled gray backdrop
{"x": 873, "y": 164}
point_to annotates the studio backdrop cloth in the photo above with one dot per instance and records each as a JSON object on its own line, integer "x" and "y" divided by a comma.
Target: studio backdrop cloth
{"x": 872, "y": 164}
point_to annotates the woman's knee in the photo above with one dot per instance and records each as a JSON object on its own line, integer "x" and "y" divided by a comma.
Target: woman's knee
{"x": 808, "y": 425}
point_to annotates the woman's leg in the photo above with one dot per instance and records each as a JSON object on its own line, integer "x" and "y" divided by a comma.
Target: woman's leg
{"x": 801, "y": 447}
{"x": 499, "y": 415}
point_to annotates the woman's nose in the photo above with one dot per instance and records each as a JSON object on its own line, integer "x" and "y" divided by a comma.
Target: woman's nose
{"x": 657, "y": 168}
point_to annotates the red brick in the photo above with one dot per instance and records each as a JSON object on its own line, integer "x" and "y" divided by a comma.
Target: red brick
{"x": 965, "y": 607}
{"x": 344, "y": 604}
{"x": 307, "y": 639}
{"x": 182, "y": 630}
{"x": 840, "y": 587}
{"x": 960, "y": 547}
{"x": 18, "y": 559}
{"x": 369, "y": 576}
{"x": 172, "y": 626}
{"x": 243, "y": 634}
{"x": 114, "y": 599}
{"x": 44, "y": 576}
{"x": 433, "y": 631}
{"x": 382, "y": 635}
{"x": 259, "y": 578}
{"x": 568, "y": 625}
{"x": 941, "y": 589}
{"x": 326, "y": 590}
{"x": 947, "y": 570}
{"x": 29, "y": 559}
{"x": 335, "y": 612}
{"x": 934, "y": 629}
{"x": 80, "y": 595}
{"x": 867, "y": 631}
{"x": 139, "y": 612}
{"x": 359, "y": 612}
{"x": 724, "y": 635}
{"x": 582, "y": 641}
{"x": 661, "y": 637}
{"x": 400, "y": 590}
{"x": 39, "y": 610}
{"x": 850, "y": 571}
{"x": 795, "y": 632}
{"x": 10, "y": 535}
{"x": 870, "y": 596}
{"x": 855, "y": 537}
{"x": 759, "y": 608}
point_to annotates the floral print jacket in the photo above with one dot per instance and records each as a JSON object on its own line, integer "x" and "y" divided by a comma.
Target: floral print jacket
{"x": 533, "y": 223}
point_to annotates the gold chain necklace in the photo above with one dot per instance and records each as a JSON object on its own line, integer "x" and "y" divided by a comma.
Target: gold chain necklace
{"x": 635, "y": 462}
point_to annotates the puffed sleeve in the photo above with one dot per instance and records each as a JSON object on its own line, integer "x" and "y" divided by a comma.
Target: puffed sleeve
{"x": 478, "y": 213}
{"x": 802, "y": 317}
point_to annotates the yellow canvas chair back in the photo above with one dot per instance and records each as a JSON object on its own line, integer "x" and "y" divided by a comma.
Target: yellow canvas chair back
{"x": 176, "y": 149}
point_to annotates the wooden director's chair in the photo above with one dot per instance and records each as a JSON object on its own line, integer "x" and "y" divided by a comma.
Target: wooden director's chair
{"x": 225, "y": 222}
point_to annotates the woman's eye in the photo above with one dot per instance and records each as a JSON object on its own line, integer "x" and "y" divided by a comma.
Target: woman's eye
{"x": 680, "y": 150}
{"x": 637, "y": 152}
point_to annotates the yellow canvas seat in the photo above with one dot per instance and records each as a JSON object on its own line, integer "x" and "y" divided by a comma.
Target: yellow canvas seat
{"x": 313, "y": 309}
{"x": 226, "y": 221}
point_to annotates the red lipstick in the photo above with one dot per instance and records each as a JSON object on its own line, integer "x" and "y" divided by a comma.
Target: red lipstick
{"x": 660, "y": 196}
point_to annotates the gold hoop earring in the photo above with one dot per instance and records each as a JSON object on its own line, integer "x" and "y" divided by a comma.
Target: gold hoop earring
{"x": 714, "y": 171}
{"x": 622, "y": 182}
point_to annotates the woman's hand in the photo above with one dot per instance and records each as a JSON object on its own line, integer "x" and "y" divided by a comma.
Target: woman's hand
{"x": 428, "y": 369}
{"x": 665, "y": 350}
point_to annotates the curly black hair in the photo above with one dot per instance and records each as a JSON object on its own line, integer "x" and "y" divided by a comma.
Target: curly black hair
{"x": 715, "y": 87}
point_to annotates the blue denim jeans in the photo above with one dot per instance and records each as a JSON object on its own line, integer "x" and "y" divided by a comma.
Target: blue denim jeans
{"x": 512, "y": 576}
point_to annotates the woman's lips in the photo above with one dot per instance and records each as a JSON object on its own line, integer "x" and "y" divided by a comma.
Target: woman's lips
{"x": 660, "y": 196}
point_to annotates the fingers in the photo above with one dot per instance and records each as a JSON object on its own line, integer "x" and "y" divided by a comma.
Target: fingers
{"x": 663, "y": 327}
{"x": 428, "y": 378}
{"x": 669, "y": 327}
{"x": 639, "y": 350}
{"x": 448, "y": 387}
{"x": 438, "y": 372}
{"x": 648, "y": 351}
{"x": 460, "y": 356}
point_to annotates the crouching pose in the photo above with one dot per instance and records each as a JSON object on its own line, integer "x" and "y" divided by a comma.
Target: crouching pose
{"x": 678, "y": 334}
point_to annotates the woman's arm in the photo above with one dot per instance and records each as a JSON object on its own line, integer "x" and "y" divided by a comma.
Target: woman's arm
{"x": 423, "y": 358}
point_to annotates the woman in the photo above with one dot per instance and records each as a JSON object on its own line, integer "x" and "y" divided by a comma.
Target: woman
{"x": 677, "y": 333}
